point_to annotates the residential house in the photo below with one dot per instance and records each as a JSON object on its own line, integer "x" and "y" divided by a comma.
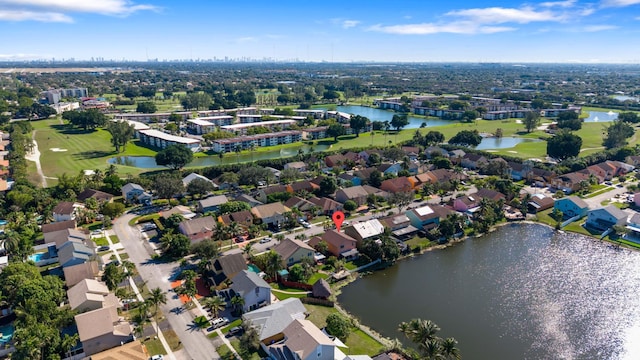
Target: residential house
{"x": 252, "y": 288}
{"x": 62, "y": 236}
{"x": 65, "y": 211}
{"x": 339, "y": 244}
{"x": 337, "y": 160}
{"x": 390, "y": 169}
{"x": 636, "y": 199}
{"x": 271, "y": 320}
{"x": 57, "y": 226}
{"x": 263, "y": 194}
{"x": 248, "y": 199}
{"x": 399, "y": 225}
{"x": 473, "y": 161}
{"x": 76, "y": 273}
{"x": 633, "y": 226}
{"x": 130, "y": 351}
{"x": 181, "y": 210}
{"x": 365, "y": 230}
{"x": 633, "y": 160}
{"x": 99, "y": 196}
{"x": 292, "y": 251}
{"x": 364, "y": 175}
{"x": 604, "y": 218}
{"x": 470, "y": 202}
{"x": 73, "y": 253}
{"x": 302, "y": 340}
{"x": 519, "y": 171}
{"x": 571, "y": 206}
{"x": 348, "y": 179}
{"x": 304, "y": 185}
{"x": 541, "y": 177}
{"x": 243, "y": 218}
{"x": 211, "y": 204}
{"x": 399, "y": 184}
{"x": 411, "y": 151}
{"x": 134, "y": 193}
{"x": 198, "y": 229}
{"x": 296, "y": 165}
{"x": 301, "y": 204}
{"x": 326, "y": 206}
{"x": 375, "y": 191}
{"x": 225, "y": 267}
{"x": 102, "y": 329}
{"x": 427, "y": 217}
{"x": 90, "y": 294}
{"x": 539, "y": 202}
{"x": 193, "y": 176}
{"x": 354, "y": 193}
{"x": 570, "y": 182}
{"x": 435, "y": 151}
{"x": 272, "y": 215}
{"x": 456, "y": 156}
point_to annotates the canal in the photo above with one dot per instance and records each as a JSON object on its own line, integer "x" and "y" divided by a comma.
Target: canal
{"x": 522, "y": 292}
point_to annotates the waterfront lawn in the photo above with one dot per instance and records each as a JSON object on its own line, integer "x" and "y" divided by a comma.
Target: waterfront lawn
{"x": 81, "y": 150}
{"x": 362, "y": 344}
{"x": 317, "y": 276}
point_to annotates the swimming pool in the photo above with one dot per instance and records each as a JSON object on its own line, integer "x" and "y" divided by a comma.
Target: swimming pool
{"x": 37, "y": 257}
{"x": 254, "y": 268}
{"x": 6, "y": 333}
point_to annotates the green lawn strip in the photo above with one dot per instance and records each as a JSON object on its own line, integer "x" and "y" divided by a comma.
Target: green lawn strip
{"x": 599, "y": 192}
{"x": 172, "y": 339}
{"x": 362, "y": 344}
{"x": 578, "y": 228}
{"x": 102, "y": 241}
{"x": 154, "y": 347}
{"x": 225, "y": 353}
{"x": 201, "y": 322}
{"x": 283, "y": 296}
{"x": 632, "y": 244}
{"x": 317, "y": 276}
{"x": 545, "y": 218}
{"x": 236, "y": 345}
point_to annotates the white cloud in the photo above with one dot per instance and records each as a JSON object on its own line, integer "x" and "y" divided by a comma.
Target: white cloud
{"x": 59, "y": 10}
{"x": 562, "y": 4}
{"x": 619, "y": 3}
{"x": 597, "y": 28}
{"x": 24, "y": 15}
{"x": 20, "y": 56}
{"x": 498, "y": 15}
{"x": 461, "y": 27}
{"x": 246, "y": 39}
{"x": 350, "y": 23}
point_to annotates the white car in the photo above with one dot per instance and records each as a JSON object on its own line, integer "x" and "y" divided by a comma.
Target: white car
{"x": 265, "y": 240}
{"x": 157, "y": 357}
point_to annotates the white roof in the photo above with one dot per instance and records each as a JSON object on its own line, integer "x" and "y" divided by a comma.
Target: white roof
{"x": 369, "y": 228}
{"x": 200, "y": 122}
{"x": 217, "y": 117}
{"x": 259, "y": 123}
{"x": 425, "y": 210}
{"x": 136, "y": 124}
{"x": 168, "y": 137}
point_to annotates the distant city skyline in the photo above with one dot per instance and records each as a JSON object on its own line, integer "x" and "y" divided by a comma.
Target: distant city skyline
{"x": 566, "y": 31}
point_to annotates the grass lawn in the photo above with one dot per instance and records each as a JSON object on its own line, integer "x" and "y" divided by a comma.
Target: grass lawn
{"x": 318, "y": 314}
{"x": 225, "y": 353}
{"x": 418, "y": 241}
{"x": 172, "y": 339}
{"x": 79, "y": 150}
{"x": 578, "y": 228}
{"x": 545, "y": 217}
{"x": 315, "y": 277}
{"x": 362, "y": 344}
{"x": 236, "y": 345}
{"x": 283, "y": 296}
{"x": 102, "y": 241}
{"x": 154, "y": 347}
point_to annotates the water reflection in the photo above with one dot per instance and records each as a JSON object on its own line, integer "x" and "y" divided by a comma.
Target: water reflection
{"x": 523, "y": 292}
{"x": 601, "y": 116}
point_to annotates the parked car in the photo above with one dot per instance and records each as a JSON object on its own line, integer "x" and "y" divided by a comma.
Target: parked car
{"x": 219, "y": 322}
{"x": 103, "y": 248}
{"x": 306, "y": 225}
{"x": 157, "y": 357}
{"x": 265, "y": 240}
{"x": 236, "y": 330}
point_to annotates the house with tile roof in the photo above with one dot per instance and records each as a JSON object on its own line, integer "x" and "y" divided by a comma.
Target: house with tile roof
{"x": 90, "y": 294}
{"x": 354, "y": 193}
{"x": 292, "y": 251}
{"x": 326, "y": 206}
{"x": 271, "y": 214}
{"x": 198, "y": 229}
{"x": 339, "y": 244}
{"x": 99, "y": 196}
{"x": 399, "y": 184}
{"x": 302, "y": 340}
{"x": 102, "y": 329}
{"x": 76, "y": 273}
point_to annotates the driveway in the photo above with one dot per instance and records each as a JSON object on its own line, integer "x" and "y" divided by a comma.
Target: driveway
{"x": 196, "y": 344}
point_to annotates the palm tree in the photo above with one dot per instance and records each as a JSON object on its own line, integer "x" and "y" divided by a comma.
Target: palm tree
{"x": 449, "y": 349}
{"x": 234, "y": 229}
{"x": 273, "y": 264}
{"x": 247, "y": 250}
{"x": 156, "y": 298}
{"x": 238, "y": 303}
{"x": 128, "y": 268}
{"x": 216, "y": 304}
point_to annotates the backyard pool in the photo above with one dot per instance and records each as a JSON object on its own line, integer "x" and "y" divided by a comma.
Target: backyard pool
{"x": 254, "y": 268}
{"x": 6, "y": 333}
{"x": 37, "y": 257}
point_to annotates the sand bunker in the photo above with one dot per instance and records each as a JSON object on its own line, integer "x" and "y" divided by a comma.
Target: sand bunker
{"x": 57, "y": 150}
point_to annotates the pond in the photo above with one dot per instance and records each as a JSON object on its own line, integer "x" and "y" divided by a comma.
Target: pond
{"x": 601, "y": 116}
{"x": 502, "y": 142}
{"x": 375, "y": 114}
{"x": 521, "y": 292}
{"x": 625, "y": 98}
{"x": 149, "y": 162}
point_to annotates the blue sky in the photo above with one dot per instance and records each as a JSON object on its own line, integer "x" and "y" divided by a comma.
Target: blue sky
{"x": 329, "y": 30}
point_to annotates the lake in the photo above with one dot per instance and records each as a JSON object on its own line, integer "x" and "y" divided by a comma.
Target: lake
{"x": 149, "y": 162}
{"x": 502, "y": 142}
{"x": 375, "y": 114}
{"x": 601, "y": 116}
{"x": 522, "y": 292}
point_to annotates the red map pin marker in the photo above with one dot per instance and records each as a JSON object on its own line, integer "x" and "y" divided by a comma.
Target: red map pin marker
{"x": 338, "y": 218}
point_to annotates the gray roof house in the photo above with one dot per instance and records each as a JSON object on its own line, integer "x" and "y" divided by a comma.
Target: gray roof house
{"x": 102, "y": 329}
{"x": 271, "y": 320}
{"x": 62, "y": 236}
{"x": 90, "y": 294}
{"x": 189, "y": 178}
{"x": 211, "y": 204}
{"x": 252, "y": 288}
{"x": 604, "y": 218}
{"x": 74, "y": 253}
{"x": 306, "y": 341}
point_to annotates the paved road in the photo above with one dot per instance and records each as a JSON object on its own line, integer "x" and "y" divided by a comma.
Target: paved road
{"x": 196, "y": 344}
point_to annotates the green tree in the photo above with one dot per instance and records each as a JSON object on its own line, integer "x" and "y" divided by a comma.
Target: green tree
{"x": 174, "y": 156}
{"x": 156, "y": 297}
{"x": 113, "y": 275}
{"x": 617, "y": 134}
{"x": 328, "y": 186}
{"x": 350, "y": 205}
{"x": 146, "y": 107}
{"x": 238, "y": 303}
{"x": 376, "y": 178}
{"x": 434, "y": 138}
{"x": 199, "y": 187}
{"x": 466, "y": 138}
{"x": 113, "y": 209}
{"x": 233, "y": 206}
{"x": 357, "y": 123}
{"x": 423, "y": 333}
{"x": 339, "y": 326}
{"x": 216, "y": 304}
{"x": 334, "y": 130}
{"x": 531, "y": 121}
{"x": 564, "y": 145}
{"x": 87, "y": 119}
{"x": 166, "y": 187}
{"x": 629, "y": 117}
{"x": 175, "y": 245}
{"x": 569, "y": 120}
{"x": 399, "y": 121}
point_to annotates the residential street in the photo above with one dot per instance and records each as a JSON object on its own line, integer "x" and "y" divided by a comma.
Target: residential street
{"x": 196, "y": 344}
